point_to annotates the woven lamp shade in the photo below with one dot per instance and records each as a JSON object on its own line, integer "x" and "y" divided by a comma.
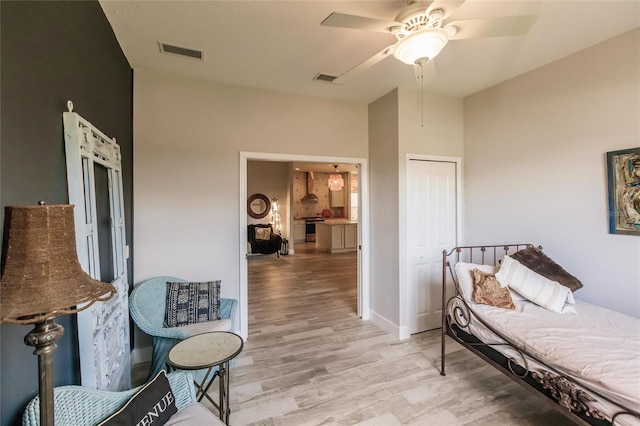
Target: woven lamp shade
{"x": 41, "y": 275}
{"x": 336, "y": 182}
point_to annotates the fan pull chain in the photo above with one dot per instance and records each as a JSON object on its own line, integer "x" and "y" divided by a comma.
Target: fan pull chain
{"x": 419, "y": 72}
{"x": 421, "y": 89}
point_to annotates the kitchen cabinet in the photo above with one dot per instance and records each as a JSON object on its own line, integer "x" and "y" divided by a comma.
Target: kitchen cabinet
{"x": 336, "y": 198}
{"x": 299, "y": 231}
{"x": 337, "y": 236}
{"x": 351, "y": 236}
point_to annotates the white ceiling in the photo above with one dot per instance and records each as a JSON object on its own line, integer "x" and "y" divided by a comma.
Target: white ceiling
{"x": 281, "y": 46}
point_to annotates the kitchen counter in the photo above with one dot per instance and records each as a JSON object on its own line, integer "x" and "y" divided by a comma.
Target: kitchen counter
{"x": 337, "y": 235}
{"x": 339, "y": 220}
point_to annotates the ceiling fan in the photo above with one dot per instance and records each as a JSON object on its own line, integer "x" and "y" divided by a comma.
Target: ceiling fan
{"x": 422, "y": 29}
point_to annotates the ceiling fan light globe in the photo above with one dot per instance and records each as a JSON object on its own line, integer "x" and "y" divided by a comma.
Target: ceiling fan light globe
{"x": 417, "y": 46}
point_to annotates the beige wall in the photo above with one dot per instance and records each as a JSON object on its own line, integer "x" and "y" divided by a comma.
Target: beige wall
{"x": 383, "y": 200}
{"x": 433, "y": 129}
{"x": 398, "y": 128}
{"x": 188, "y": 135}
{"x": 273, "y": 179}
{"x": 438, "y": 130}
{"x": 535, "y": 165}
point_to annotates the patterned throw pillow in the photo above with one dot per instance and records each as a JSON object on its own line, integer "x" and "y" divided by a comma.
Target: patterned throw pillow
{"x": 263, "y": 233}
{"x": 487, "y": 290}
{"x": 153, "y": 404}
{"x": 191, "y": 303}
{"x": 464, "y": 273}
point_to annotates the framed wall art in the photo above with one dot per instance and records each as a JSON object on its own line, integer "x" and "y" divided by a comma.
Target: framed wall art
{"x": 623, "y": 177}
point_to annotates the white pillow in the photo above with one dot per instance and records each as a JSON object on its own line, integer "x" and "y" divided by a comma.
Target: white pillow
{"x": 533, "y": 286}
{"x": 515, "y": 296}
{"x": 465, "y": 276}
{"x": 194, "y": 414}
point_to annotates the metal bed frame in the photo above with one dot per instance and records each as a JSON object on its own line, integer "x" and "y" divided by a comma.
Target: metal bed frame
{"x": 559, "y": 391}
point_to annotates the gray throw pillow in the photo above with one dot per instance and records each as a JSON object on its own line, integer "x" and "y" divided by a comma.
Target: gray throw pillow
{"x": 192, "y": 302}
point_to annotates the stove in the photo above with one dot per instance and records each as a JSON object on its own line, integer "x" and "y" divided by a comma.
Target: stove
{"x": 310, "y": 227}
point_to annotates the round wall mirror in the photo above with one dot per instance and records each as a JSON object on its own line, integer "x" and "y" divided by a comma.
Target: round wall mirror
{"x": 258, "y": 206}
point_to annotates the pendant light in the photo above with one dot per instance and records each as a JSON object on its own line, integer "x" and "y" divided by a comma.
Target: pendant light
{"x": 336, "y": 182}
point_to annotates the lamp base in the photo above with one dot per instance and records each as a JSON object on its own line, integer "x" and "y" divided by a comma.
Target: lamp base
{"x": 43, "y": 337}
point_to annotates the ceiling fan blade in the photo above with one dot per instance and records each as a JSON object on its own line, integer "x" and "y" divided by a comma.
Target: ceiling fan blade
{"x": 342, "y": 20}
{"x": 366, "y": 64}
{"x": 493, "y": 27}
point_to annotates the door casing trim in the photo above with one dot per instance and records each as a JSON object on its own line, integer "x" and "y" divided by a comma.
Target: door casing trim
{"x": 403, "y": 229}
{"x": 363, "y": 227}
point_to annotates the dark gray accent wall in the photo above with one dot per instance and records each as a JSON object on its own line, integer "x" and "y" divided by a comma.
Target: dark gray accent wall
{"x": 52, "y": 52}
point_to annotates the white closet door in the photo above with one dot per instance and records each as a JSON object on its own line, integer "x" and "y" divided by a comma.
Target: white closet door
{"x": 432, "y": 225}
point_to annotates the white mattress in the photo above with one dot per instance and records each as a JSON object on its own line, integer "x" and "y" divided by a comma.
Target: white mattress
{"x": 599, "y": 348}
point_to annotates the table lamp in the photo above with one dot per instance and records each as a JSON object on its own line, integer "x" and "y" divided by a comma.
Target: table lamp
{"x": 42, "y": 279}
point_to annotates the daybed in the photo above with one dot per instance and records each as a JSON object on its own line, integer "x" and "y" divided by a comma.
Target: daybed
{"x": 147, "y": 308}
{"x": 583, "y": 359}
{"x": 82, "y": 406}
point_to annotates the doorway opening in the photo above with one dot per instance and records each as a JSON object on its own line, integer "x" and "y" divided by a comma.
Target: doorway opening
{"x": 288, "y": 224}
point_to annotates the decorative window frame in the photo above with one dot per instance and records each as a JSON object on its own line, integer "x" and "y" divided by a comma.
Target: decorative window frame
{"x": 103, "y": 329}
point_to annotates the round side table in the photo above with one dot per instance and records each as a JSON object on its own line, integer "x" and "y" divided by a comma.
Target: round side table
{"x": 209, "y": 350}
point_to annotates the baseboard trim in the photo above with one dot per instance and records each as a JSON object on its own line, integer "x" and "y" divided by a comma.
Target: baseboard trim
{"x": 384, "y": 324}
{"x": 404, "y": 332}
{"x": 141, "y": 355}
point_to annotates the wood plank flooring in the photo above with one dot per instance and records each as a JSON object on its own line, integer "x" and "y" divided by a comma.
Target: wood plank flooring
{"x": 309, "y": 360}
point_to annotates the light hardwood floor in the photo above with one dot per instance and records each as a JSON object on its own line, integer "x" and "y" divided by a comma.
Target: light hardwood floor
{"x": 309, "y": 360}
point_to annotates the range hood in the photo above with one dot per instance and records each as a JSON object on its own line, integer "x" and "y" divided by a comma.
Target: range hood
{"x": 310, "y": 196}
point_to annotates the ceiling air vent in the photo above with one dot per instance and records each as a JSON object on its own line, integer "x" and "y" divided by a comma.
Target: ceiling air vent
{"x": 181, "y": 51}
{"x": 325, "y": 77}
